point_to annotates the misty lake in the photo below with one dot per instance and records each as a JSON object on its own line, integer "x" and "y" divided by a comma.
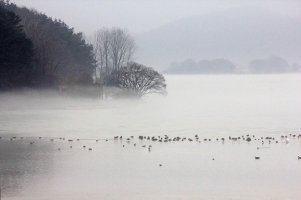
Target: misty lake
{"x": 211, "y": 106}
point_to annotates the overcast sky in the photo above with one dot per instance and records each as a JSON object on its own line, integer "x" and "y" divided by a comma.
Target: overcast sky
{"x": 142, "y": 15}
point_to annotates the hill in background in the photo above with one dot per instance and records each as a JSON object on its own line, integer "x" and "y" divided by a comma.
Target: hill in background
{"x": 240, "y": 35}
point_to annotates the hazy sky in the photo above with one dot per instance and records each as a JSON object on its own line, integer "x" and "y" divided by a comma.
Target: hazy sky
{"x": 142, "y": 15}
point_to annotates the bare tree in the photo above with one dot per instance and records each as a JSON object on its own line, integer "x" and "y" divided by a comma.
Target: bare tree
{"x": 101, "y": 46}
{"x": 140, "y": 80}
{"x": 113, "y": 48}
{"x": 122, "y": 47}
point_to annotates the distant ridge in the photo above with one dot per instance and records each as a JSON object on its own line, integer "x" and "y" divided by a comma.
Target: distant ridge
{"x": 240, "y": 35}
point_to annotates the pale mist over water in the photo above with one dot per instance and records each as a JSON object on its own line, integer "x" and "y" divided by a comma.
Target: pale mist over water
{"x": 211, "y": 106}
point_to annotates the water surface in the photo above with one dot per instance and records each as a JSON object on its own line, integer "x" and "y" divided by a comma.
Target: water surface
{"x": 211, "y": 106}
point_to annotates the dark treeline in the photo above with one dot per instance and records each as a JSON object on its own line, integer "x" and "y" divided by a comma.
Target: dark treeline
{"x": 16, "y": 51}
{"x": 189, "y": 66}
{"x": 41, "y": 52}
{"x": 270, "y": 65}
{"x": 52, "y": 53}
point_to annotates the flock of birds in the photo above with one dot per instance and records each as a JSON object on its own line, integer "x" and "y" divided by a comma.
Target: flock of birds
{"x": 167, "y": 139}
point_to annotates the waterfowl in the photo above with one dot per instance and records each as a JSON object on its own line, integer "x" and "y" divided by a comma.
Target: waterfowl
{"x": 257, "y": 157}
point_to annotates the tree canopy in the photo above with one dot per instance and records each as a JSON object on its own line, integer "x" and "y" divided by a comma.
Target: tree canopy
{"x": 140, "y": 80}
{"x": 15, "y": 51}
{"x": 61, "y": 56}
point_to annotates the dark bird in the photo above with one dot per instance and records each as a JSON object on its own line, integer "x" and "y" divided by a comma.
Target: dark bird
{"x": 299, "y": 157}
{"x": 257, "y": 157}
